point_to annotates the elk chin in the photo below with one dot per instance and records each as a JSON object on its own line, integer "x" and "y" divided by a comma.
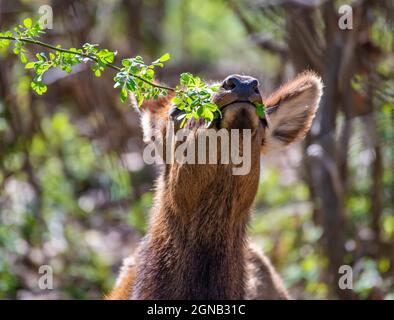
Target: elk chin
{"x": 240, "y": 115}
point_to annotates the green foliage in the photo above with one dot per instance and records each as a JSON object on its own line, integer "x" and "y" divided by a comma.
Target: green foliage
{"x": 135, "y": 76}
{"x": 194, "y": 100}
{"x": 260, "y": 109}
{"x": 27, "y": 30}
{"x": 193, "y": 96}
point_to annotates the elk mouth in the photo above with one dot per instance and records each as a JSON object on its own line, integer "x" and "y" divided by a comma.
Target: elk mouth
{"x": 238, "y": 114}
{"x": 222, "y": 108}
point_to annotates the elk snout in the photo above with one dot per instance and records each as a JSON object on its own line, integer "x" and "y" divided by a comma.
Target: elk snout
{"x": 242, "y": 88}
{"x": 236, "y": 98}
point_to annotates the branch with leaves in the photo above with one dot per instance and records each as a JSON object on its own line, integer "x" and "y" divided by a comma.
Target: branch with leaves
{"x": 192, "y": 95}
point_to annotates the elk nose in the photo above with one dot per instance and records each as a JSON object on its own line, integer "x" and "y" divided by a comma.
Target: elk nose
{"x": 245, "y": 88}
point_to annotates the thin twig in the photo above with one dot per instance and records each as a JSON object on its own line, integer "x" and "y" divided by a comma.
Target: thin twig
{"x": 93, "y": 58}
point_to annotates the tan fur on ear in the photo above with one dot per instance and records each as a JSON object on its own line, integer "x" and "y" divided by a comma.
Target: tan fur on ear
{"x": 290, "y": 111}
{"x": 153, "y": 112}
{"x": 157, "y": 107}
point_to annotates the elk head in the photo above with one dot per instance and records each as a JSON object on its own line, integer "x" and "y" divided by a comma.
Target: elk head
{"x": 288, "y": 117}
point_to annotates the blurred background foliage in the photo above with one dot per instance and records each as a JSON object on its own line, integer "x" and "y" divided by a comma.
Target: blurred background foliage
{"x": 75, "y": 193}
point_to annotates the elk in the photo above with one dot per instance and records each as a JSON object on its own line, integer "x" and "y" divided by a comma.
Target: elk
{"x": 196, "y": 246}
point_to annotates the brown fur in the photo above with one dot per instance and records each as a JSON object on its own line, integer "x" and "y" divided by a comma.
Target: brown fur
{"x": 263, "y": 282}
{"x": 125, "y": 282}
{"x": 196, "y": 245}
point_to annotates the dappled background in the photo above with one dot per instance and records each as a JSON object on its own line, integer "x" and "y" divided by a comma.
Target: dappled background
{"x": 75, "y": 193}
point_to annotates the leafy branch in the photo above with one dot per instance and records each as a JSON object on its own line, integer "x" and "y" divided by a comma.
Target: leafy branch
{"x": 192, "y": 95}
{"x": 82, "y": 54}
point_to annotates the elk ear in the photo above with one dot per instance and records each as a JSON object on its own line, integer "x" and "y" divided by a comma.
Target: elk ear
{"x": 290, "y": 111}
{"x": 154, "y": 114}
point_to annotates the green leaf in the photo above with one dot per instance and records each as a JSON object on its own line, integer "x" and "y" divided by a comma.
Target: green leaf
{"x": 200, "y": 111}
{"x": 183, "y": 122}
{"x": 17, "y": 48}
{"x": 131, "y": 85}
{"x": 126, "y": 62}
{"x": 38, "y": 87}
{"x": 157, "y": 64}
{"x": 177, "y": 100}
{"x": 106, "y": 55}
{"x": 208, "y": 114}
{"x": 27, "y": 23}
{"x": 140, "y": 98}
{"x": 211, "y": 106}
{"x": 165, "y": 57}
{"x": 123, "y": 94}
{"x": 185, "y": 78}
{"x": 215, "y": 88}
{"x": 260, "y": 110}
{"x": 23, "y": 57}
{"x": 30, "y": 65}
{"x": 149, "y": 74}
{"x": 4, "y": 43}
{"x": 41, "y": 56}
